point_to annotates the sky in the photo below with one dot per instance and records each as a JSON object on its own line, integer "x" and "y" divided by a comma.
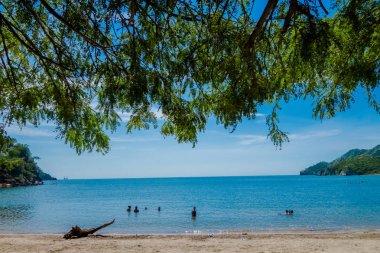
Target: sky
{"x": 245, "y": 152}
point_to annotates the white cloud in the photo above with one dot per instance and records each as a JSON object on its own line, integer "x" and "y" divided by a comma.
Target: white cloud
{"x": 43, "y": 123}
{"x": 249, "y": 139}
{"x": 159, "y": 114}
{"x": 118, "y": 148}
{"x": 29, "y": 131}
{"x": 314, "y": 134}
{"x": 261, "y": 115}
{"x": 129, "y": 139}
{"x": 126, "y": 116}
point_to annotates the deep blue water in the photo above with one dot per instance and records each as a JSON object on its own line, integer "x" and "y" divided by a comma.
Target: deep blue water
{"x": 223, "y": 203}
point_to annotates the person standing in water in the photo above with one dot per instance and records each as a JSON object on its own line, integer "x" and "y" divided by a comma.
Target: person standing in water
{"x": 136, "y": 210}
{"x": 194, "y": 213}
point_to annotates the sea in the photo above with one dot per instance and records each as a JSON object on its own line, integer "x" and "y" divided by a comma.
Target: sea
{"x": 223, "y": 204}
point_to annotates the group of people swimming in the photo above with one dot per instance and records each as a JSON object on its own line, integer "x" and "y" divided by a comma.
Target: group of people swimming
{"x": 136, "y": 210}
{"x": 193, "y": 212}
{"x": 289, "y": 212}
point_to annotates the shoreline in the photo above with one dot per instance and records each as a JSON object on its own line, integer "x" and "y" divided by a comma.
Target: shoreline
{"x": 19, "y": 184}
{"x": 227, "y": 233}
{"x": 364, "y": 241}
{"x": 206, "y": 232}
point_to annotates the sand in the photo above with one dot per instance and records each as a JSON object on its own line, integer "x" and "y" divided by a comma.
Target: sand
{"x": 294, "y": 242}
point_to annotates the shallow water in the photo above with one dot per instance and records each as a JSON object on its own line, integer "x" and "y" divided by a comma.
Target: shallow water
{"x": 223, "y": 203}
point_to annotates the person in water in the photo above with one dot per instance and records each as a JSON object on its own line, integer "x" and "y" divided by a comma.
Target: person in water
{"x": 136, "y": 209}
{"x": 159, "y": 209}
{"x": 129, "y": 209}
{"x": 146, "y": 208}
{"x": 194, "y": 212}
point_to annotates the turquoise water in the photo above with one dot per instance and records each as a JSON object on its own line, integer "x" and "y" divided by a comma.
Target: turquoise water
{"x": 223, "y": 203}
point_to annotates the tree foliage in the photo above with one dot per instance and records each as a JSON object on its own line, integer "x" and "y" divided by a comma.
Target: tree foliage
{"x": 81, "y": 63}
{"x": 18, "y": 167}
{"x": 354, "y": 162}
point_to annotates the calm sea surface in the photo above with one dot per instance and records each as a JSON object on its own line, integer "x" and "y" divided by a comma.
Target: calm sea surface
{"x": 223, "y": 203}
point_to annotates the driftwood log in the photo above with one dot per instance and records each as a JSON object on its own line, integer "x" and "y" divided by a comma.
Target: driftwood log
{"x": 77, "y": 232}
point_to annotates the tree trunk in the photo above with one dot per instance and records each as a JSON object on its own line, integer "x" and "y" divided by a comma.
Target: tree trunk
{"x": 77, "y": 232}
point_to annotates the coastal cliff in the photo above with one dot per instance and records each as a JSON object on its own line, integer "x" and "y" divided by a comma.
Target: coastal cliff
{"x": 19, "y": 168}
{"x": 354, "y": 162}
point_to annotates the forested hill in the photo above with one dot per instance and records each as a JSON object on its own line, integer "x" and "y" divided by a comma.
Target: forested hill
{"x": 18, "y": 167}
{"x": 354, "y": 162}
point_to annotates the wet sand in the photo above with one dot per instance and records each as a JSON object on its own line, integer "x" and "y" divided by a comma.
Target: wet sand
{"x": 294, "y": 242}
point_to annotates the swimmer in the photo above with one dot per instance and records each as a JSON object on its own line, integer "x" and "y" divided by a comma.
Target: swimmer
{"x": 194, "y": 212}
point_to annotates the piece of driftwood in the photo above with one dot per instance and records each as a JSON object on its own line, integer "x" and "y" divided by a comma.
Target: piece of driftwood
{"x": 77, "y": 232}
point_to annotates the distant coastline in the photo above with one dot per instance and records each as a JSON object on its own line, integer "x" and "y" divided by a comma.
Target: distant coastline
{"x": 14, "y": 184}
{"x": 354, "y": 162}
{"x": 19, "y": 168}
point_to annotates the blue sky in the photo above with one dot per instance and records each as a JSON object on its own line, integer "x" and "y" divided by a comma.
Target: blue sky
{"x": 247, "y": 151}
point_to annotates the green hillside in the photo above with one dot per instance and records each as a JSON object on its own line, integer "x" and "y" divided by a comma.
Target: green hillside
{"x": 354, "y": 162}
{"x": 18, "y": 167}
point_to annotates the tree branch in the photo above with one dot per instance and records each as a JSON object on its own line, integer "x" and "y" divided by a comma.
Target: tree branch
{"x": 289, "y": 15}
{"x": 69, "y": 25}
{"x": 323, "y": 7}
{"x": 259, "y": 26}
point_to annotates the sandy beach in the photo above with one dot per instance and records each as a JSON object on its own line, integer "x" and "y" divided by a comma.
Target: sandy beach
{"x": 261, "y": 242}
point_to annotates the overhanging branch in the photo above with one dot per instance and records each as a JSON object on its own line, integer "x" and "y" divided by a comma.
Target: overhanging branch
{"x": 271, "y": 5}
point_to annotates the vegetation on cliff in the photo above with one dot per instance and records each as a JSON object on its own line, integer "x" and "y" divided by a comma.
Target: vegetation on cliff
{"x": 19, "y": 167}
{"x": 354, "y": 162}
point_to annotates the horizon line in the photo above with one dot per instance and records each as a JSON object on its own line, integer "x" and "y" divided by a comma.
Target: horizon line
{"x": 173, "y": 177}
